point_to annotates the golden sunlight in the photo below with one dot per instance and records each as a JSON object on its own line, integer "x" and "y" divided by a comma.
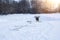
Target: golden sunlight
{"x": 53, "y": 3}
{"x": 48, "y": 5}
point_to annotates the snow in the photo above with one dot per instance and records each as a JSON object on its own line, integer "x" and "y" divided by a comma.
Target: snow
{"x": 25, "y": 27}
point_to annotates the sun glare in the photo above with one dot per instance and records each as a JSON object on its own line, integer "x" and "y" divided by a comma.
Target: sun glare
{"x": 54, "y": 3}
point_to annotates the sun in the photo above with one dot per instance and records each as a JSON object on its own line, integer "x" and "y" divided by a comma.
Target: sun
{"x": 48, "y": 5}
{"x": 54, "y": 3}
{"x": 51, "y": 4}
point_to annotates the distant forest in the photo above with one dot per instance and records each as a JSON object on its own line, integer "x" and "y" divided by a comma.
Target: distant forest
{"x": 14, "y": 7}
{"x": 22, "y": 6}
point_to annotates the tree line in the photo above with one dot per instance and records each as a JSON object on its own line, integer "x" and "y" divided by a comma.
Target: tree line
{"x": 15, "y": 7}
{"x": 23, "y": 6}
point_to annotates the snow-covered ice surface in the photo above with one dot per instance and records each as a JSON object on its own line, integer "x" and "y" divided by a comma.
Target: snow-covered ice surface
{"x": 25, "y": 27}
